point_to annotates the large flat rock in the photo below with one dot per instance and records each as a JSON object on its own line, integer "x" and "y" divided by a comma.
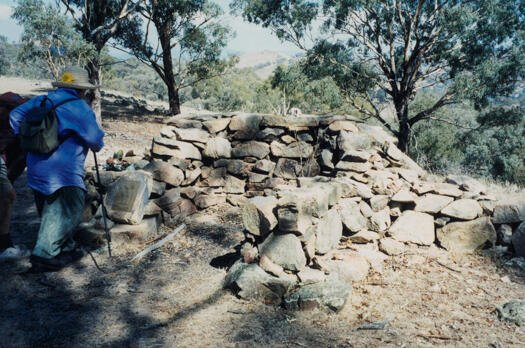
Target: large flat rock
{"x": 509, "y": 211}
{"x": 251, "y": 149}
{"x": 284, "y": 250}
{"x": 331, "y": 294}
{"x": 413, "y": 227}
{"x": 250, "y": 281}
{"x": 466, "y": 236}
{"x": 464, "y": 209}
{"x": 329, "y": 232}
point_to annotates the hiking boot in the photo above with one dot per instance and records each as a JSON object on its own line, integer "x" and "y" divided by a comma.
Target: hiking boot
{"x": 42, "y": 265}
{"x": 70, "y": 257}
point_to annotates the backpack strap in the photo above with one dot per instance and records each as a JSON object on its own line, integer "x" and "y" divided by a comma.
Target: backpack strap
{"x": 53, "y": 106}
{"x": 63, "y": 102}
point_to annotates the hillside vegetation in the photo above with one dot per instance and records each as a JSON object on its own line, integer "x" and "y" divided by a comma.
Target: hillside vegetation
{"x": 449, "y": 86}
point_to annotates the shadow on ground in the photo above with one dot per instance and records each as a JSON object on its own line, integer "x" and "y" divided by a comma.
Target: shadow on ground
{"x": 174, "y": 298}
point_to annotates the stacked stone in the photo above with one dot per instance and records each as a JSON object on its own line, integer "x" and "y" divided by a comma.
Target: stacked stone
{"x": 323, "y": 200}
{"x": 133, "y": 201}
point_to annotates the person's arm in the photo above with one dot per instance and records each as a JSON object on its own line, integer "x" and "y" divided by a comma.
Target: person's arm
{"x": 87, "y": 129}
{"x": 18, "y": 114}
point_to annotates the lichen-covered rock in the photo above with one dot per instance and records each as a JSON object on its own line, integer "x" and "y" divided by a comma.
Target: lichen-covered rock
{"x": 284, "y": 250}
{"x": 351, "y": 215}
{"x": 218, "y": 148}
{"x": 329, "y": 232}
{"x": 348, "y": 141}
{"x": 192, "y": 135}
{"x": 234, "y": 185}
{"x": 250, "y": 281}
{"x": 466, "y": 236}
{"x": 464, "y": 209}
{"x": 513, "y": 311}
{"x": 413, "y": 227}
{"x": 391, "y": 246}
{"x": 127, "y": 198}
{"x": 509, "y": 211}
{"x": 331, "y": 294}
{"x": 251, "y": 149}
{"x": 216, "y": 125}
{"x": 258, "y": 215}
{"x": 174, "y": 148}
{"x": 165, "y": 172}
{"x": 297, "y": 149}
{"x": 431, "y": 203}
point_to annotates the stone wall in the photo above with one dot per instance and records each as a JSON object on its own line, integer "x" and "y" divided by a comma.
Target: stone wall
{"x": 306, "y": 187}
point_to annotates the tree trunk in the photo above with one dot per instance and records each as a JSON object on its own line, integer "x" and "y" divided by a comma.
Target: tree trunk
{"x": 169, "y": 76}
{"x": 173, "y": 96}
{"x": 95, "y": 97}
{"x": 405, "y": 132}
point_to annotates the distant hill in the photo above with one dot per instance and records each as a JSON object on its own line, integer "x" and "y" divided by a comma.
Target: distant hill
{"x": 264, "y": 63}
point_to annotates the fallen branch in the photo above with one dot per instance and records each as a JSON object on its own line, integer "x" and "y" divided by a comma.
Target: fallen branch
{"x": 159, "y": 243}
{"x": 439, "y": 337}
{"x": 447, "y": 266}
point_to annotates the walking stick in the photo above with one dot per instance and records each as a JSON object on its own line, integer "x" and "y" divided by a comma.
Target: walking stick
{"x": 99, "y": 189}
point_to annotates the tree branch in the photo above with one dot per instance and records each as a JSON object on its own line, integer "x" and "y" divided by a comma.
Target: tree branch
{"x": 444, "y": 100}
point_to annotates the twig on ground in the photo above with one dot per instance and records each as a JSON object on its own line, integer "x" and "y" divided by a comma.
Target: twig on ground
{"x": 237, "y": 311}
{"x": 447, "y": 266}
{"x": 380, "y": 325}
{"x": 158, "y": 244}
{"x": 439, "y": 337}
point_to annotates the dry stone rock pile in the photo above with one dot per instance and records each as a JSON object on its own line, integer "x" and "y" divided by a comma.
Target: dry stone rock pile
{"x": 323, "y": 200}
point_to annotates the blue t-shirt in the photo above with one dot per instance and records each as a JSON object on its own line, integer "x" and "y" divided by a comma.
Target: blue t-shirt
{"x": 77, "y": 125}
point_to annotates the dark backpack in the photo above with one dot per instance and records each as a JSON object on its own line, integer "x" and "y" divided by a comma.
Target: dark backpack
{"x": 39, "y": 129}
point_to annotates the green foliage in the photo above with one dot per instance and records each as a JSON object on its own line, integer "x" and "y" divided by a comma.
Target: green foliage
{"x": 32, "y": 69}
{"x": 135, "y": 78}
{"x": 460, "y": 139}
{"x": 188, "y": 30}
{"x": 495, "y": 149}
{"x": 243, "y": 90}
{"x": 310, "y": 94}
{"x": 4, "y": 59}
{"x": 469, "y": 50}
{"x": 49, "y": 37}
{"x": 230, "y": 92}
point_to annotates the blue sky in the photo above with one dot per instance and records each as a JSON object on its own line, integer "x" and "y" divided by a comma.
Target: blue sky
{"x": 249, "y": 37}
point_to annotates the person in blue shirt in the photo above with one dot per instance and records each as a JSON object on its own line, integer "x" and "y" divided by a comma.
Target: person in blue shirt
{"x": 57, "y": 179}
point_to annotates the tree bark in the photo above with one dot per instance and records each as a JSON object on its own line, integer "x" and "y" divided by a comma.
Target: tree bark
{"x": 174, "y": 100}
{"x": 95, "y": 97}
{"x": 405, "y": 131}
{"x": 169, "y": 76}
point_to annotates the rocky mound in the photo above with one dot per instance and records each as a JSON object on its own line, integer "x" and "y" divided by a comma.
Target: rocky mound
{"x": 322, "y": 199}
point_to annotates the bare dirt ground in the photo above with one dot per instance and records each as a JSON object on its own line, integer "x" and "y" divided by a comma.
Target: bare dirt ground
{"x": 174, "y": 298}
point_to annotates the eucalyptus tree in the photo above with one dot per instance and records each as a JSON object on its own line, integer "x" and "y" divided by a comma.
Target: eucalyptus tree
{"x": 98, "y": 21}
{"x": 390, "y": 49}
{"x": 48, "y": 36}
{"x": 181, "y": 40}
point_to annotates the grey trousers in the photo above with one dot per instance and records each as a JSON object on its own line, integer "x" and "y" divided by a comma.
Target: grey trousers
{"x": 60, "y": 214}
